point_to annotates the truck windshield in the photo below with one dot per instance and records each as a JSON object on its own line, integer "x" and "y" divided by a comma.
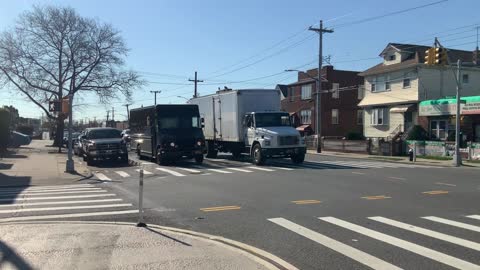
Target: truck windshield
{"x": 271, "y": 120}
{"x": 104, "y": 134}
{"x": 172, "y": 122}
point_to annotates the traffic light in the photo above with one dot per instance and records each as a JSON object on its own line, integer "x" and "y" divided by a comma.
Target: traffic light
{"x": 440, "y": 56}
{"x": 429, "y": 56}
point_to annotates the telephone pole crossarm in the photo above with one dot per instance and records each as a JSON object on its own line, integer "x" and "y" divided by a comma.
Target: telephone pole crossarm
{"x": 195, "y": 81}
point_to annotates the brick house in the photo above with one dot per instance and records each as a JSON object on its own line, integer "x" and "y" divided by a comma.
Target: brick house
{"x": 341, "y": 93}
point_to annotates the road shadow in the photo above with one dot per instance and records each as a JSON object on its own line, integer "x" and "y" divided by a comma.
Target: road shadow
{"x": 9, "y": 255}
{"x": 12, "y": 186}
{"x": 11, "y": 154}
{"x": 169, "y": 237}
{"x": 5, "y": 166}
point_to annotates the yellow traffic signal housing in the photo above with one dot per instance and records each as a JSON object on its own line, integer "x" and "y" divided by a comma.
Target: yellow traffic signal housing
{"x": 430, "y": 56}
{"x": 440, "y": 56}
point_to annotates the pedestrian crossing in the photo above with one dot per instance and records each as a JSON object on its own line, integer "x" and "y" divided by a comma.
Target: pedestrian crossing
{"x": 224, "y": 167}
{"x": 380, "y": 234}
{"x": 60, "y": 202}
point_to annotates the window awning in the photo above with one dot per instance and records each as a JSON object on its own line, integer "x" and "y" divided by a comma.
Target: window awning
{"x": 448, "y": 106}
{"x": 303, "y": 127}
{"x": 401, "y": 109}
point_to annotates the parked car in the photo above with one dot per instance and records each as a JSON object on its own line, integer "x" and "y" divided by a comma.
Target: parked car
{"x": 18, "y": 139}
{"x": 126, "y": 137}
{"x": 74, "y": 138}
{"x": 103, "y": 144}
{"x": 77, "y": 145}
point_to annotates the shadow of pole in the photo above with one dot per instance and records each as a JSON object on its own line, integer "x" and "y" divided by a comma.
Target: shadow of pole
{"x": 10, "y": 255}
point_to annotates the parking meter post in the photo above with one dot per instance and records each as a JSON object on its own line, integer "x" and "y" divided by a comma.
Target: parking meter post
{"x": 414, "y": 151}
{"x": 141, "y": 222}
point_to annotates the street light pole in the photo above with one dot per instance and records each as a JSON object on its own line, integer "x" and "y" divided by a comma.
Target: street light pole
{"x": 70, "y": 165}
{"x": 155, "y": 93}
{"x": 457, "y": 157}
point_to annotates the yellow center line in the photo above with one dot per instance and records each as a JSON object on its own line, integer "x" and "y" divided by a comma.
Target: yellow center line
{"x": 220, "y": 208}
{"x": 377, "y": 197}
{"x": 306, "y": 202}
{"x": 435, "y": 192}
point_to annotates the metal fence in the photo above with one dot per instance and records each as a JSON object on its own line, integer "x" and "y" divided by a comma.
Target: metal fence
{"x": 439, "y": 148}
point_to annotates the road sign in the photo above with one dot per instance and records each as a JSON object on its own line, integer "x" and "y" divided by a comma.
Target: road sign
{"x": 54, "y": 106}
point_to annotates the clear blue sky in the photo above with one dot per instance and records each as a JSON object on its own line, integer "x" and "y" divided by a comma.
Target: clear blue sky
{"x": 178, "y": 37}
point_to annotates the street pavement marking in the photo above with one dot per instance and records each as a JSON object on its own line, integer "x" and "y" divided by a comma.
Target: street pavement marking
{"x": 474, "y": 217}
{"x": 64, "y": 208}
{"x": 420, "y": 250}
{"x": 445, "y": 184}
{"x": 361, "y": 173}
{"x": 189, "y": 170}
{"x": 174, "y": 173}
{"x": 54, "y": 193}
{"x": 348, "y": 164}
{"x": 427, "y": 232}
{"x": 29, "y": 192}
{"x": 56, "y": 197}
{"x": 219, "y": 171}
{"x": 397, "y": 178}
{"x": 306, "y": 201}
{"x": 284, "y": 168}
{"x": 111, "y": 213}
{"x": 261, "y": 169}
{"x": 47, "y": 187}
{"x": 435, "y": 192}
{"x": 218, "y": 160}
{"x": 144, "y": 172}
{"x": 454, "y": 223}
{"x": 206, "y": 174}
{"x": 239, "y": 170}
{"x": 220, "y": 208}
{"x": 346, "y": 250}
{"x": 376, "y": 197}
{"x": 102, "y": 177}
{"x": 122, "y": 173}
{"x": 59, "y": 202}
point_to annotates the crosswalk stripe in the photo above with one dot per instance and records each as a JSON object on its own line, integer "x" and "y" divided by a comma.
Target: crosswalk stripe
{"x": 454, "y": 223}
{"x": 145, "y": 172}
{"x": 354, "y": 164}
{"x": 433, "y": 234}
{"x": 65, "y": 208}
{"x": 284, "y": 168}
{"x": 111, "y": 213}
{"x": 47, "y": 187}
{"x": 102, "y": 177}
{"x": 28, "y": 192}
{"x": 59, "y": 202}
{"x": 261, "y": 169}
{"x": 240, "y": 170}
{"x": 353, "y": 253}
{"x": 219, "y": 171}
{"x": 474, "y": 217}
{"x": 122, "y": 173}
{"x": 57, "y": 197}
{"x": 423, "y": 251}
{"x": 189, "y": 170}
{"x": 174, "y": 173}
{"x": 53, "y": 193}
{"x": 316, "y": 165}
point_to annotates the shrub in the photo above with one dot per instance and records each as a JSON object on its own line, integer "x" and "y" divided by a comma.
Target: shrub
{"x": 417, "y": 133}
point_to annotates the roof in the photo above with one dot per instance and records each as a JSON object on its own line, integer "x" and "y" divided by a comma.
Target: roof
{"x": 416, "y": 54}
{"x": 283, "y": 88}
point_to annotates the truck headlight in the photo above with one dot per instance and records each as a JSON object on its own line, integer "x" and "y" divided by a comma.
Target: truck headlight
{"x": 172, "y": 144}
{"x": 91, "y": 146}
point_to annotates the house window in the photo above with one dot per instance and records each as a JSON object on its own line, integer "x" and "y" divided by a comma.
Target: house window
{"x": 392, "y": 57}
{"x": 359, "y": 117}
{"x": 361, "y": 90}
{"x": 439, "y": 129}
{"x": 335, "y": 90}
{"x": 307, "y": 91}
{"x": 291, "y": 94}
{"x": 306, "y": 117}
{"x": 465, "y": 78}
{"x": 381, "y": 84}
{"x": 378, "y": 117}
{"x": 335, "y": 116}
{"x": 387, "y": 85}
{"x": 372, "y": 87}
{"x": 406, "y": 83}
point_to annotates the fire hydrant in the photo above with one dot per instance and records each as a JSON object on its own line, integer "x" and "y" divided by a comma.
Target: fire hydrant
{"x": 410, "y": 155}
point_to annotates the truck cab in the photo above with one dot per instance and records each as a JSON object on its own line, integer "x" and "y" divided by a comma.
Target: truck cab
{"x": 270, "y": 134}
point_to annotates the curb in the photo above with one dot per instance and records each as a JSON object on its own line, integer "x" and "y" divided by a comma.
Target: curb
{"x": 267, "y": 259}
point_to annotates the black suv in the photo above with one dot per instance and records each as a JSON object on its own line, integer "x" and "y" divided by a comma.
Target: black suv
{"x": 102, "y": 144}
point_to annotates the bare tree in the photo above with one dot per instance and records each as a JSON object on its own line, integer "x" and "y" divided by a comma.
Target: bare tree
{"x": 53, "y": 52}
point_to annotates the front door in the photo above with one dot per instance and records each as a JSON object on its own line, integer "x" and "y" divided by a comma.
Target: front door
{"x": 408, "y": 121}
{"x": 250, "y": 130}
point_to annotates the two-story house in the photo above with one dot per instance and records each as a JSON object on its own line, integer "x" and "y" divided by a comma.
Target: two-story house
{"x": 394, "y": 88}
{"x": 339, "y": 100}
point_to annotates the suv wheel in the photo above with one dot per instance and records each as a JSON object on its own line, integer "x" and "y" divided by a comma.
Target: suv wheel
{"x": 297, "y": 159}
{"x": 199, "y": 159}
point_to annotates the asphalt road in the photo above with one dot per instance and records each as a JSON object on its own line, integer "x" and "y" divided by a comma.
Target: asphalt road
{"x": 329, "y": 213}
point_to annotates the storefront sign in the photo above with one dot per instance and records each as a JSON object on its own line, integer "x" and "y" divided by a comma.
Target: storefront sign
{"x": 470, "y": 105}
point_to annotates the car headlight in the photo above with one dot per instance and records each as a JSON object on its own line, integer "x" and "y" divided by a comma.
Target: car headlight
{"x": 199, "y": 142}
{"x": 172, "y": 144}
{"x": 91, "y": 146}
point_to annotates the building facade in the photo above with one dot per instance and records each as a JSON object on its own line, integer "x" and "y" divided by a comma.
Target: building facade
{"x": 339, "y": 102}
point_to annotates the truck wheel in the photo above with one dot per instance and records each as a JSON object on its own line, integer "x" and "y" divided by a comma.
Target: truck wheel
{"x": 297, "y": 159}
{"x": 211, "y": 152}
{"x": 258, "y": 157}
{"x": 199, "y": 159}
{"x": 159, "y": 159}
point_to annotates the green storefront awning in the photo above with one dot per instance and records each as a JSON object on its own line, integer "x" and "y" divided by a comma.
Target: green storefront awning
{"x": 448, "y": 106}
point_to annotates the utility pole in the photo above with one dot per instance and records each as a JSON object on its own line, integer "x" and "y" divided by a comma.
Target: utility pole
{"x": 70, "y": 165}
{"x": 128, "y": 113}
{"x": 108, "y": 116}
{"x": 155, "y": 93}
{"x": 318, "y": 117}
{"x": 195, "y": 94}
{"x": 457, "y": 158}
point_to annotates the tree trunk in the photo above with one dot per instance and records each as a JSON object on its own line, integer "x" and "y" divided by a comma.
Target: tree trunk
{"x": 58, "y": 141}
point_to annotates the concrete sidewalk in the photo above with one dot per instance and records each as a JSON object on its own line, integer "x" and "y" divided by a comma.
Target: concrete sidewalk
{"x": 400, "y": 159}
{"x": 83, "y": 245}
{"x": 38, "y": 164}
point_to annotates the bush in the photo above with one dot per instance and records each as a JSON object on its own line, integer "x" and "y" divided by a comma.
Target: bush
{"x": 354, "y": 136}
{"x": 4, "y": 129}
{"x": 417, "y": 133}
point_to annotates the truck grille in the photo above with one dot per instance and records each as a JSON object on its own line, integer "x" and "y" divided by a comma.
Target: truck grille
{"x": 288, "y": 140}
{"x": 108, "y": 146}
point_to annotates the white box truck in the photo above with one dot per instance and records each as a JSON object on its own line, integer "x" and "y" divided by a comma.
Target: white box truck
{"x": 249, "y": 121}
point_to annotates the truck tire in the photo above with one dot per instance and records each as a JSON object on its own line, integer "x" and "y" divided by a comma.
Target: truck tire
{"x": 211, "y": 151}
{"x": 159, "y": 159}
{"x": 298, "y": 159}
{"x": 258, "y": 157}
{"x": 199, "y": 159}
